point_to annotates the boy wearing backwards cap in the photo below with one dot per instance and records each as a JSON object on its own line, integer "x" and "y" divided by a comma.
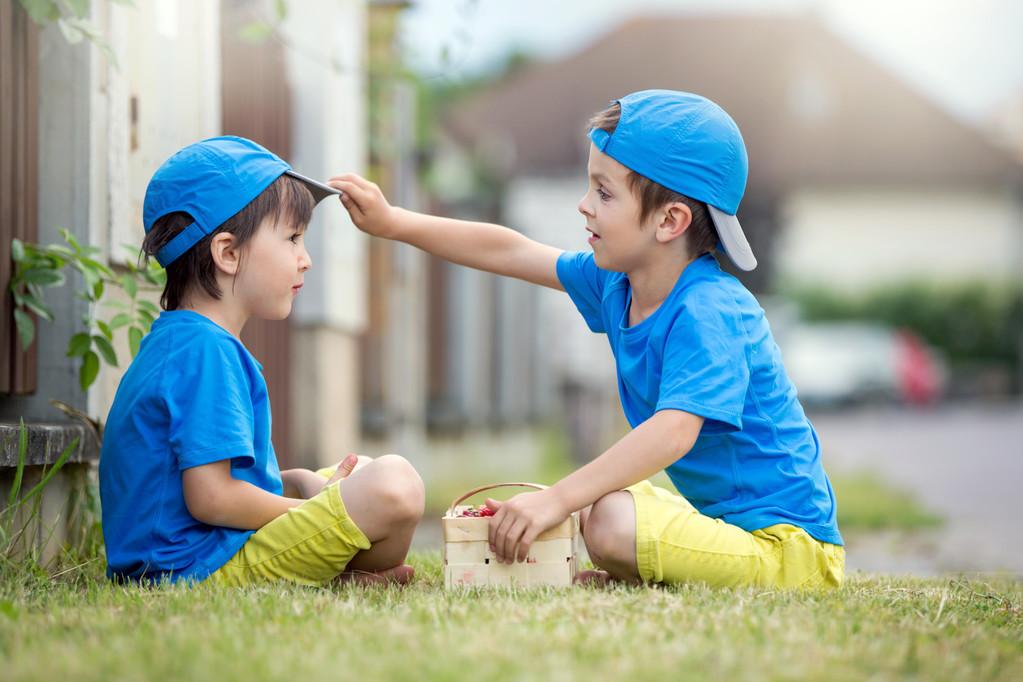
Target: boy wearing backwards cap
{"x": 699, "y": 375}
{"x": 189, "y": 482}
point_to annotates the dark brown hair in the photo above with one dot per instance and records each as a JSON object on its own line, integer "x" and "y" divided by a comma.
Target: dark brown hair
{"x": 701, "y": 237}
{"x": 285, "y": 199}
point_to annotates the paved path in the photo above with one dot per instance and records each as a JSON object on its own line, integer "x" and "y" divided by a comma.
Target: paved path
{"x": 963, "y": 461}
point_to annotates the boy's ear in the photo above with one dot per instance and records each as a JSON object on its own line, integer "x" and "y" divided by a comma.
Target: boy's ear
{"x": 226, "y": 254}
{"x": 676, "y": 218}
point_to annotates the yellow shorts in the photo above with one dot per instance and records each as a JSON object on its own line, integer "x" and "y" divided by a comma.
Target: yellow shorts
{"x": 309, "y": 544}
{"x": 676, "y": 543}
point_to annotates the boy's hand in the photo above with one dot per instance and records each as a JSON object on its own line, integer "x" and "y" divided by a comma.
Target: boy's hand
{"x": 344, "y": 469}
{"x": 366, "y": 204}
{"x": 518, "y": 521}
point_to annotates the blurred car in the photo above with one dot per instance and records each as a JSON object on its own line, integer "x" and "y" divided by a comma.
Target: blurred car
{"x": 839, "y": 363}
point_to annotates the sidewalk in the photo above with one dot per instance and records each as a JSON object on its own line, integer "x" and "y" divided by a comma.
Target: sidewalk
{"x": 964, "y": 462}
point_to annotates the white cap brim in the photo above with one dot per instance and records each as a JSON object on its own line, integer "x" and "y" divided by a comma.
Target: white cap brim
{"x": 733, "y": 239}
{"x": 319, "y": 190}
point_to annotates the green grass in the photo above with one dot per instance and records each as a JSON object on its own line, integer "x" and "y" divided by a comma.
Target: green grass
{"x": 77, "y": 626}
{"x": 866, "y": 503}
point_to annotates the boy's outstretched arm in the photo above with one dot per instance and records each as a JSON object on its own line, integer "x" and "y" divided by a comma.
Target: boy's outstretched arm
{"x": 483, "y": 246}
{"x": 641, "y": 453}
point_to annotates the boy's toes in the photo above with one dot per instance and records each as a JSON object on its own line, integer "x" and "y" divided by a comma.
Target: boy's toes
{"x": 593, "y": 578}
{"x": 398, "y": 575}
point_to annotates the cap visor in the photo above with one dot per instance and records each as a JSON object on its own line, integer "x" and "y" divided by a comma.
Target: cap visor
{"x": 733, "y": 239}
{"x": 319, "y": 190}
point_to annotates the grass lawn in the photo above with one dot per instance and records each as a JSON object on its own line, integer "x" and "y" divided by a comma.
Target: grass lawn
{"x": 79, "y": 627}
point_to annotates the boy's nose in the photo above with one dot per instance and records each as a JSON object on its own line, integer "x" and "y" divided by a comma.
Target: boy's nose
{"x": 583, "y": 206}
{"x": 305, "y": 261}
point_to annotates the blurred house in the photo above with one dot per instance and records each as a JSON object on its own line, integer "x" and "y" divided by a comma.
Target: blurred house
{"x": 81, "y": 137}
{"x": 856, "y": 178}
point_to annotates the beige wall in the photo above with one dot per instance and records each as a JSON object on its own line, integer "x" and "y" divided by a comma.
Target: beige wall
{"x": 856, "y": 238}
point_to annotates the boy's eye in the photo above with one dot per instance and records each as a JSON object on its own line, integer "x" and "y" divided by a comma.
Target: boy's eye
{"x": 604, "y": 196}
{"x": 295, "y": 237}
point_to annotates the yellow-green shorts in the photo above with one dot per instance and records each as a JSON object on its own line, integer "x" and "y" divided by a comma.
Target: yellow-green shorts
{"x": 309, "y": 544}
{"x": 676, "y": 543}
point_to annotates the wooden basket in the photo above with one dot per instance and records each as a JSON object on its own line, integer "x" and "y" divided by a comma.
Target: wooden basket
{"x": 468, "y": 561}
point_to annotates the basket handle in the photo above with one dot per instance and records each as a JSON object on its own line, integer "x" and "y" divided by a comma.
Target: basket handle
{"x": 491, "y": 486}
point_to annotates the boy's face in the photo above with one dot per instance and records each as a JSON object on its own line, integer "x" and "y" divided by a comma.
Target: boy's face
{"x": 274, "y": 264}
{"x": 620, "y": 243}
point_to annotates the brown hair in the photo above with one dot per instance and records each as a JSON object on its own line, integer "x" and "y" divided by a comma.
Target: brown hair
{"x": 701, "y": 236}
{"x": 285, "y": 198}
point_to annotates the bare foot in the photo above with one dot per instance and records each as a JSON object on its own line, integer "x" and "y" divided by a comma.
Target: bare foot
{"x": 594, "y": 578}
{"x": 397, "y": 575}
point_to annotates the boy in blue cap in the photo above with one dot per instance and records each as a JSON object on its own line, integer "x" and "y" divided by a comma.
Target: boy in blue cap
{"x": 699, "y": 375}
{"x": 189, "y": 481}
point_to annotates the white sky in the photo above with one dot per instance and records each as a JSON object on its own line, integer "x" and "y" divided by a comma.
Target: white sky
{"x": 967, "y": 54}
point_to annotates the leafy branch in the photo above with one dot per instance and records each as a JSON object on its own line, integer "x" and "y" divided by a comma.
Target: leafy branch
{"x": 72, "y": 18}
{"x": 38, "y": 267}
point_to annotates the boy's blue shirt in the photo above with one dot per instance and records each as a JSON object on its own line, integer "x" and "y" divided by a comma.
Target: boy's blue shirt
{"x": 193, "y": 395}
{"x": 708, "y": 350}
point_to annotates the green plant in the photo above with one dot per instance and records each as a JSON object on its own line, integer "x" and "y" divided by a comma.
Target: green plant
{"x": 970, "y": 322}
{"x": 72, "y": 18}
{"x": 37, "y": 267}
{"x": 13, "y": 528}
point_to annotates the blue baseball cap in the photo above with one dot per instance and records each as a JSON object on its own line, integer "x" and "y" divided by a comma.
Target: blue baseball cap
{"x": 211, "y": 181}
{"x": 690, "y": 145}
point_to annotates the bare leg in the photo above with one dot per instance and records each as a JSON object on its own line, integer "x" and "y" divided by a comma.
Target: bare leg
{"x": 609, "y": 529}
{"x": 385, "y": 499}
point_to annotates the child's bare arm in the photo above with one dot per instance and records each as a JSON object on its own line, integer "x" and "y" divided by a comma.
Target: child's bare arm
{"x": 644, "y": 451}
{"x": 216, "y": 498}
{"x": 483, "y": 246}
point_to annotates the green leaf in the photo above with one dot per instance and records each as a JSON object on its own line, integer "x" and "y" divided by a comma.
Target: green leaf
{"x": 80, "y": 8}
{"x": 97, "y": 290}
{"x": 105, "y": 328}
{"x": 17, "y": 250}
{"x": 79, "y": 345}
{"x": 89, "y": 370}
{"x": 35, "y": 305}
{"x": 70, "y": 239}
{"x": 134, "y": 340}
{"x": 129, "y": 285}
{"x": 43, "y": 277}
{"x": 41, "y": 11}
{"x": 26, "y": 328}
{"x": 99, "y": 267}
{"x": 105, "y": 349}
{"x": 148, "y": 306}
{"x": 156, "y": 275}
{"x": 49, "y": 474}
{"x": 281, "y": 8}
{"x": 72, "y": 33}
{"x": 146, "y": 320}
{"x": 120, "y": 320}
{"x": 256, "y": 32}
{"x": 22, "y": 455}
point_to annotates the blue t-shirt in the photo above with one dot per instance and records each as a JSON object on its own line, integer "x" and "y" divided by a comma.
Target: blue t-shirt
{"x": 192, "y": 396}
{"x": 708, "y": 350}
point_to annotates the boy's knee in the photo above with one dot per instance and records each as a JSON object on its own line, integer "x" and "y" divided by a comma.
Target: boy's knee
{"x": 610, "y": 532}
{"x": 402, "y": 492}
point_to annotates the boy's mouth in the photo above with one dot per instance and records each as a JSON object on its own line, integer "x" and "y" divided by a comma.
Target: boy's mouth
{"x": 593, "y": 236}
{"x": 295, "y": 289}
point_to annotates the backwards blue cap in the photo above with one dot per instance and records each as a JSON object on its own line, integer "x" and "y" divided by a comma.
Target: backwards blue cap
{"x": 211, "y": 181}
{"x": 690, "y": 145}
